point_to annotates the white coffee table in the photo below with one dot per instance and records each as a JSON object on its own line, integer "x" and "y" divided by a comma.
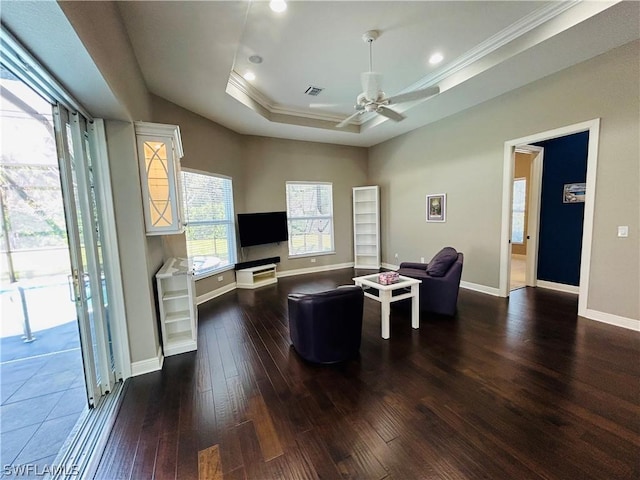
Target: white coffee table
{"x": 385, "y": 296}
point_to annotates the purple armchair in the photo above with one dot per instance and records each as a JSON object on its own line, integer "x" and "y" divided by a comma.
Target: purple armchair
{"x": 440, "y": 281}
{"x": 326, "y": 327}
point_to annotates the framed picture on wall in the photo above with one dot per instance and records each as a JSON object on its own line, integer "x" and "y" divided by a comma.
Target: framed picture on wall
{"x": 437, "y": 207}
{"x": 574, "y": 192}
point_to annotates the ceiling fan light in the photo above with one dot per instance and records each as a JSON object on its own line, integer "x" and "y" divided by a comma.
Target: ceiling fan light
{"x": 278, "y": 6}
{"x": 436, "y": 58}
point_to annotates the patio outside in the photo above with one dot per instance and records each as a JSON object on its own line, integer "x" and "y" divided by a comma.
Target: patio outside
{"x": 42, "y": 389}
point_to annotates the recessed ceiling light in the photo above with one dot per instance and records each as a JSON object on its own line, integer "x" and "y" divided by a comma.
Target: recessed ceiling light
{"x": 249, "y": 76}
{"x": 435, "y": 58}
{"x": 278, "y": 6}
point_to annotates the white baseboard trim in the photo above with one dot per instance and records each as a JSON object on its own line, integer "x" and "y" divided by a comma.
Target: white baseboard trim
{"x": 322, "y": 268}
{"x": 611, "y": 319}
{"x": 559, "y": 287}
{"x": 149, "y": 365}
{"x": 481, "y": 288}
{"x": 390, "y": 266}
{"x": 215, "y": 293}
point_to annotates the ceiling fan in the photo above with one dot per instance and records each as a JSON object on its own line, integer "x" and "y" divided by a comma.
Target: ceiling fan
{"x": 373, "y": 99}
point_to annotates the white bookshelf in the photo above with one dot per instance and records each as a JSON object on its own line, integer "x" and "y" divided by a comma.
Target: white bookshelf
{"x": 366, "y": 227}
{"x": 178, "y": 311}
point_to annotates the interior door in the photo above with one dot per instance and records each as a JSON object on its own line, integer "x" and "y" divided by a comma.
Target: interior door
{"x": 81, "y": 212}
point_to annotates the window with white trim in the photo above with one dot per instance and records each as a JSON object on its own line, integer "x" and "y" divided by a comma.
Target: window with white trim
{"x": 310, "y": 218}
{"x": 210, "y": 228}
{"x": 519, "y": 204}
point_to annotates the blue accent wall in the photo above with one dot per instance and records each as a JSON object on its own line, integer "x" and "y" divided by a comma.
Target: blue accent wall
{"x": 560, "y": 239}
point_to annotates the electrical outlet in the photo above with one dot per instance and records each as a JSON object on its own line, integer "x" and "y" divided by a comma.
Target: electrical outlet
{"x": 421, "y": 259}
{"x": 623, "y": 231}
{"x": 313, "y": 260}
{"x": 396, "y": 256}
{"x": 220, "y": 278}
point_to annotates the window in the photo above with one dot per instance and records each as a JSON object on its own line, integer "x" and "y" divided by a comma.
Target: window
{"x": 210, "y": 230}
{"x": 519, "y": 202}
{"x": 310, "y": 218}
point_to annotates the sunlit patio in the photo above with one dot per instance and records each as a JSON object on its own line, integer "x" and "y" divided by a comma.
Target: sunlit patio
{"x": 42, "y": 384}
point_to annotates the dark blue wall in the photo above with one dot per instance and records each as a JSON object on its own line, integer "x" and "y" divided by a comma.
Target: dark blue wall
{"x": 560, "y": 240}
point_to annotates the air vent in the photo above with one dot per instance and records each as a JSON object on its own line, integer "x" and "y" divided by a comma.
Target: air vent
{"x": 313, "y": 91}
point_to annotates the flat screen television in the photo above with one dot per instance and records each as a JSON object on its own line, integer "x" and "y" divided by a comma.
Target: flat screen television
{"x": 261, "y": 228}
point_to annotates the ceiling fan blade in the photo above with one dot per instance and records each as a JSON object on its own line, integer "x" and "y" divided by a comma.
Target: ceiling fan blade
{"x": 391, "y": 114}
{"x": 371, "y": 82}
{"x": 347, "y": 120}
{"x": 415, "y": 95}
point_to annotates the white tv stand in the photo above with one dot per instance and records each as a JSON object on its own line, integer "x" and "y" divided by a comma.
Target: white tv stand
{"x": 255, "y": 277}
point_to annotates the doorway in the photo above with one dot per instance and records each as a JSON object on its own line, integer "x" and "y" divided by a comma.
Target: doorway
{"x": 593, "y": 129}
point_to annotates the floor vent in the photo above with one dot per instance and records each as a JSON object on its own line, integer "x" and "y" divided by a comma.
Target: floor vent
{"x": 313, "y": 91}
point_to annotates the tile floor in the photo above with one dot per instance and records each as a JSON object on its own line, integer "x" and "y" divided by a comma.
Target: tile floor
{"x": 42, "y": 398}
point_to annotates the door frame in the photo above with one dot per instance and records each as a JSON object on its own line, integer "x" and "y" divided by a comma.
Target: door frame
{"x": 591, "y": 126}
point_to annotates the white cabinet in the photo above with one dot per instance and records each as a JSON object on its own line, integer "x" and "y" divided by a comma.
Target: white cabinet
{"x": 178, "y": 311}
{"x": 366, "y": 227}
{"x": 255, "y": 277}
{"x": 159, "y": 154}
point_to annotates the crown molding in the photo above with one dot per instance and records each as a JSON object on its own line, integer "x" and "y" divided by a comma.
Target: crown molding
{"x": 499, "y": 40}
{"x": 255, "y": 99}
{"x": 248, "y": 95}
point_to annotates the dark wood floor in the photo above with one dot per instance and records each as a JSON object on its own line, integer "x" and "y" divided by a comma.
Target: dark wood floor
{"x": 509, "y": 389}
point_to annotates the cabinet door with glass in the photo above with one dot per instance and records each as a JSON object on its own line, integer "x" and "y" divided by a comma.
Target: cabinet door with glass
{"x": 159, "y": 153}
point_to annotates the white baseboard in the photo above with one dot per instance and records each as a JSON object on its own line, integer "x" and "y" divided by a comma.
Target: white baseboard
{"x": 322, "y": 268}
{"x": 480, "y": 288}
{"x": 215, "y": 293}
{"x": 611, "y": 319}
{"x": 390, "y": 266}
{"x": 559, "y": 287}
{"x": 149, "y": 365}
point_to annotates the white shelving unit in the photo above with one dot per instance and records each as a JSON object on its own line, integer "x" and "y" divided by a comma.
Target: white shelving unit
{"x": 366, "y": 227}
{"x": 255, "y": 277}
{"x": 178, "y": 312}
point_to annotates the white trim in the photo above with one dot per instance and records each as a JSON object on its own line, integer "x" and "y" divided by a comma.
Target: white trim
{"x": 481, "y": 288}
{"x": 593, "y": 127}
{"x": 215, "y": 293}
{"x": 618, "y": 321}
{"x": 322, "y": 268}
{"x": 533, "y": 221}
{"x": 390, "y": 266}
{"x": 118, "y": 317}
{"x": 149, "y": 365}
{"x": 558, "y": 287}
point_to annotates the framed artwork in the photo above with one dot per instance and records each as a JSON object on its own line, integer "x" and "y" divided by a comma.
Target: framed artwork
{"x": 574, "y": 192}
{"x": 437, "y": 207}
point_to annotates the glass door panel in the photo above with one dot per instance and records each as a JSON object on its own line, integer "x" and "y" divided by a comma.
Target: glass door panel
{"x": 88, "y": 274}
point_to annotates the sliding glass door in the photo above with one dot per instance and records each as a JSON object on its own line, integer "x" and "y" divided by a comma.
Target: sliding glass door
{"x": 83, "y": 228}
